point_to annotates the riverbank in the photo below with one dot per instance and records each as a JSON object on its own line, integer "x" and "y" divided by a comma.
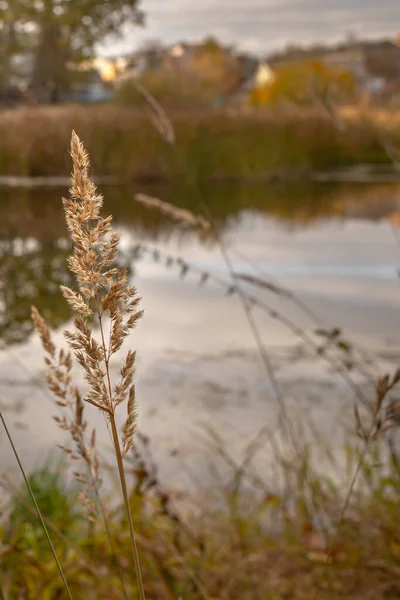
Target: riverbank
{"x": 124, "y": 144}
{"x": 230, "y": 546}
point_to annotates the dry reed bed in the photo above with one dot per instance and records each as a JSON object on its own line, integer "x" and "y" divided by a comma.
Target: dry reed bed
{"x": 124, "y": 143}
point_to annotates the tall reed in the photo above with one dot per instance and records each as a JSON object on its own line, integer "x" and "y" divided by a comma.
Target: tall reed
{"x": 69, "y": 401}
{"x": 104, "y": 297}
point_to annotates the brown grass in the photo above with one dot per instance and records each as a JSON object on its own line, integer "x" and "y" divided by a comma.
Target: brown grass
{"x": 183, "y": 216}
{"x": 104, "y": 294}
{"x": 124, "y": 143}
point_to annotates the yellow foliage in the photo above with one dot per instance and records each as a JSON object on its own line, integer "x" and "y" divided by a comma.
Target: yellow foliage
{"x": 261, "y": 95}
{"x": 304, "y": 83}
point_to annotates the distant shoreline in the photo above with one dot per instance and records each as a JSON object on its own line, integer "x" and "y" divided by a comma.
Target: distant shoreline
{"x": 268, "y": 146}
{"x": 357, "y": 174}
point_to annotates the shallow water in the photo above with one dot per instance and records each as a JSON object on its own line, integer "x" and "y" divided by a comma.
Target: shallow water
{"x": 198, "y": 367}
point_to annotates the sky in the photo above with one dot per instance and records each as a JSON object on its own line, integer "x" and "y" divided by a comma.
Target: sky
{"x": 259, "y": 26}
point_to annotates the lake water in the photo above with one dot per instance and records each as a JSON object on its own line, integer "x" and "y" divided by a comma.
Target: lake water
{"x": 199, "y": 368}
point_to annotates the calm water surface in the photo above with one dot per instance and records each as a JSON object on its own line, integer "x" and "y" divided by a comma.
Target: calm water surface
{"x": 198, "y": 366}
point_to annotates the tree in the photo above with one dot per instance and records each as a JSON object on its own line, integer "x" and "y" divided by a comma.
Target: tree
{"x": 7, "y": 37}
{"x": 305, "y": 83}
{"x": 12, "y": 41}
{"x": 203, "y": 74}
{"x": 65, "y": 32}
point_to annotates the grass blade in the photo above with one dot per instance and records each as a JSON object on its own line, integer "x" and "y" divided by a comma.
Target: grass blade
{"x": 39, "y": 514}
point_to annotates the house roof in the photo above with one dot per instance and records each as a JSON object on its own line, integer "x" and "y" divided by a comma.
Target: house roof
{"x": 365, "y": 58}
{"x": 363, "y": 46}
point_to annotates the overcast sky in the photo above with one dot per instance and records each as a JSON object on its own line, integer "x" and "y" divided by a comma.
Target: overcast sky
{"x": 260, "y": 26}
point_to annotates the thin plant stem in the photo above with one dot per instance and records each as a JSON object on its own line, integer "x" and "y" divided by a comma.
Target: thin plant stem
{"x": 91, "y": 566}
{"x": 39, "y": 514}
{"x": 252, "y": 324}
{"x": 294, "y": 299}
{"x": 122, "y": 477}
{"x": 166, "y": 130}
{"x": 94, "y": 483}
{"x": 246, "y": 305}
{"x": 110, "y": 541}
{"x": 258, "y": 441}
{"x": 195, "y": 579}
{"x": 290, "y": 326}
{"x": 300, "y": 304}
{"x": 244, "y": 300}
{"x": 366, "y": 447}
{"x": 285, "y": 322}
{"x": 118, "y": 454}
{"x": 102, "y": 509}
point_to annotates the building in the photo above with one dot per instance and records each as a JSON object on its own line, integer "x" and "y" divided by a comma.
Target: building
{"x": 372, "y": 63}
{"x": 263, "y": 76}
{"x": 92, "y": 89}
{"x": 108, "y": 68}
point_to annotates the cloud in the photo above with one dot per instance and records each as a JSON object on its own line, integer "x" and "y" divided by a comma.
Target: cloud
{"x": 261, "y": 25}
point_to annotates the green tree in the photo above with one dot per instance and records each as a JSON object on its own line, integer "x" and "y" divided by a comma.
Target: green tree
{"x": 65, "y": 32}
{"x": 13, "y": 41}
{"x": 7, "y": 35}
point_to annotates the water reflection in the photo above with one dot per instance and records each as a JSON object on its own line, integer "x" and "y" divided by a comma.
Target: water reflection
{"x": 38, "y": 213}
{"x": 31, "y": 273}
{"x": 197, "y": 360}
{"x": 34, "y": 246}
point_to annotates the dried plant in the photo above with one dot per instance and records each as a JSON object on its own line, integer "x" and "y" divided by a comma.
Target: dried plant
{"x": 182, "y": 215}
{"x": 148, "y": 482}
{"x": 333, "y": 336}
{"x": 385, "y": 412}
{"x": 341, "y": 367}
{"x": 103, "y": 295}
{"x": 263, "y": 283}
{"x": 68, "y": 398}
{"x": 158, "y": 116}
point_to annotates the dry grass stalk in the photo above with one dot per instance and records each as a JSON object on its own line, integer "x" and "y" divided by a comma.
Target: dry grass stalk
{"x": 340, "y": 367}
{"x": 385, "y": 414}
{"x": 182, "y": 215}
{"x": 263, "y": 283}
{"x": 104, "y": 294}
{"x": 158, "y": 116}
{"x": 67, "y": 396}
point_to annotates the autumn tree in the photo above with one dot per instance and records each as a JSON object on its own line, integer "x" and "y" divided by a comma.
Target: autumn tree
{"x": 307, "y": 82}
{"x": 65, "y": 32}
{"x": 216, "y": 68}
{"x": 196, "y": 75}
